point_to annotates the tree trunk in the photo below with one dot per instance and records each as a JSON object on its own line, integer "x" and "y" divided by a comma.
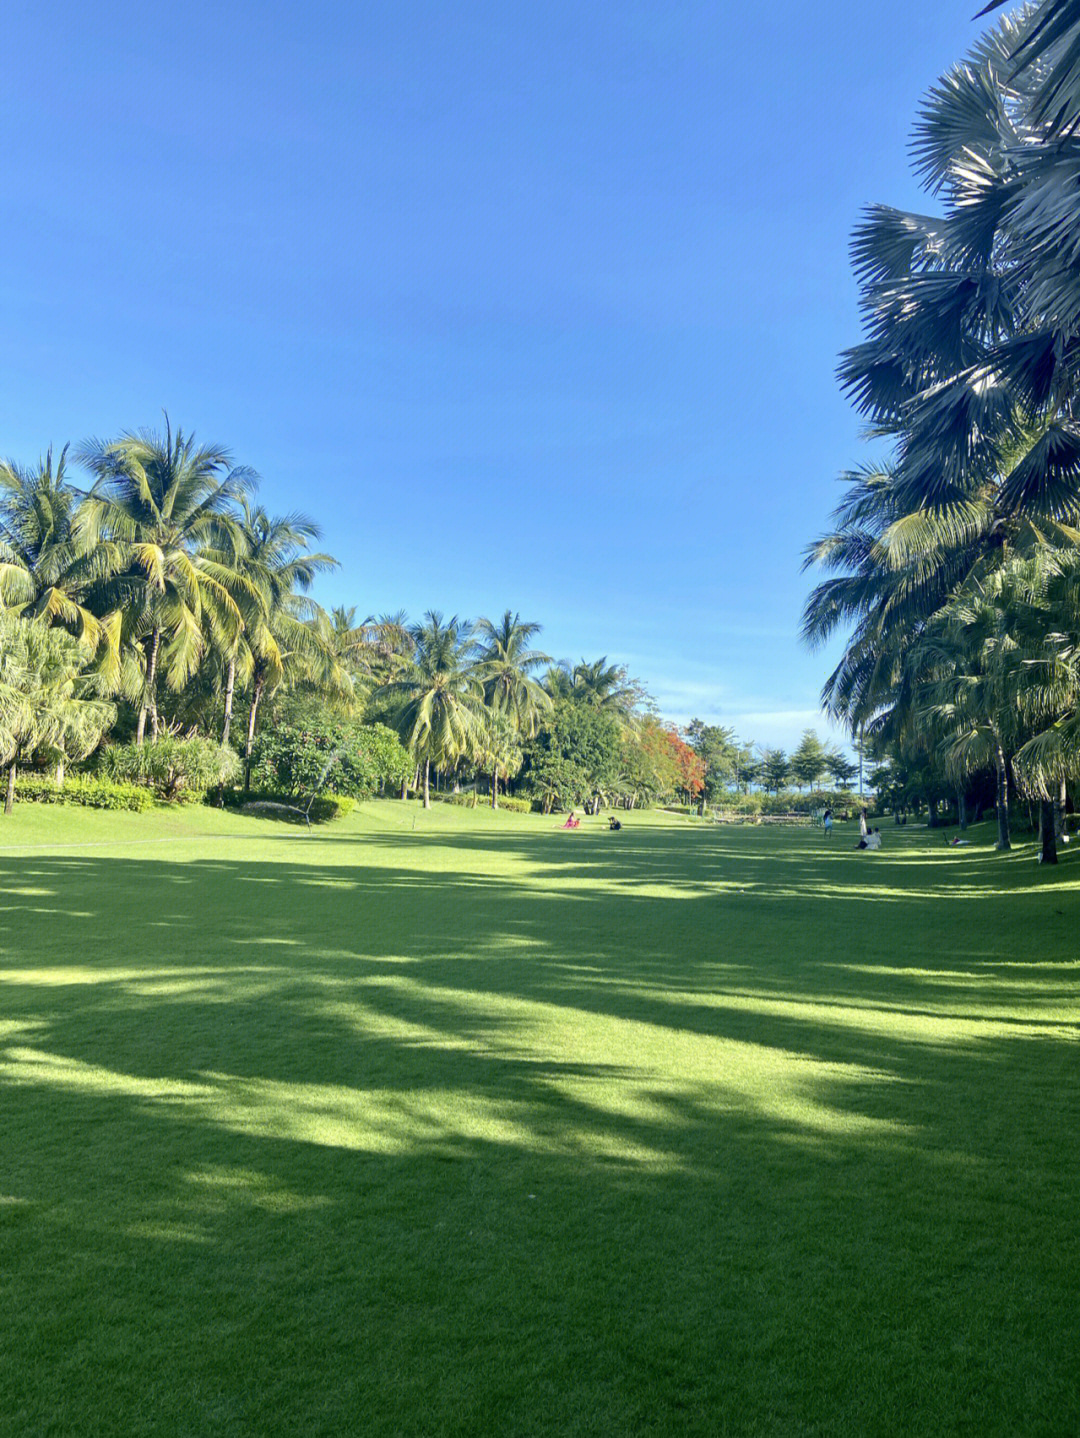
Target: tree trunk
{"x": 149, "y": 703}
{"x": 961, "y": 809}
{"x": 931, "y": 814}
{"x": 61, "y": 771}
{"x": 1003, "y": 840}
{"x": 9, "y": 798}
{"x": 230, "y": 684}
{"x": 1047, "y": 834}
{"x": 405, "y": 787}
{"x": 427, "y": 783}
{"x": 1059, "y": 811}
{"x": 256, "y": 695}
{"x": 495, "y": 788}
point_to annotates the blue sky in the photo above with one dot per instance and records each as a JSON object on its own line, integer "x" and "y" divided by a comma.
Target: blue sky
{"x": 528, "y": 306}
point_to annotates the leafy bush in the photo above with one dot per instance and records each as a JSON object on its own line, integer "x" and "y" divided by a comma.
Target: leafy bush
{"x": 334, "y": 755}
{"x": 510, "y": 802}
{"x": 324, "y": 806}
{"x": 87, "y": 790}
{"x": 172, "y": 767}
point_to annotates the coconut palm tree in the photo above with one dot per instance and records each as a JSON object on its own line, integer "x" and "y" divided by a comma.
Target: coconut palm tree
{"x": 497, "y": 749}
{"x": 44, "y": 572}
{"x": 287, "y": 639}
{"x": 169, "y": 507}
{"x": 504, "y": 665}
{"x": 439, "y": 700}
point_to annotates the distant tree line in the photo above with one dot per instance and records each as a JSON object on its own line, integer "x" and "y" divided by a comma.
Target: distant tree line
{"x": 157, "y": 628}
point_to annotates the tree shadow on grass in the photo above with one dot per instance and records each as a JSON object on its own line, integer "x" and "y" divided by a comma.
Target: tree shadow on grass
{"x": 316, "y": 1146}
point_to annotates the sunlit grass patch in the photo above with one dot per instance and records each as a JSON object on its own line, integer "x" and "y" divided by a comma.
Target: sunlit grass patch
{"x": 456, "y": 1123}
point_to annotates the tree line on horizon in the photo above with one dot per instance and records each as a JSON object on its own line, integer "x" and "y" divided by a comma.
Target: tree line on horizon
{"x": 954, "y": 561}
{"x": 159, "y": 619}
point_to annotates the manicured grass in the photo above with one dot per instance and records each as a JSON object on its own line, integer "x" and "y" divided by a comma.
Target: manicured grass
{"x": 475, "y": 1127}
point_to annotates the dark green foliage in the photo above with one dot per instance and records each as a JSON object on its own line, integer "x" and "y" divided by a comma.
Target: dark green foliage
{"x": 810, "y": 760}
{"x": 311, "y": 749}
{"x": 576, "y": 754}
{"x": 87, "y": 790}
{"x": 320, "y": 810}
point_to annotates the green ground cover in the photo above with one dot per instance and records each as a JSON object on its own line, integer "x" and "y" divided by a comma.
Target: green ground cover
{"x": 478, "y": 1127}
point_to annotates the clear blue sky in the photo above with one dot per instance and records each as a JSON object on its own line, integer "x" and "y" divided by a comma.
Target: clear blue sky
{"x": 528, "y": 306}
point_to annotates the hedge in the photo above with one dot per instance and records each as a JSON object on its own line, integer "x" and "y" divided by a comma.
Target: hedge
{"x": 85, "y": 789}
{"x": 324, "y": 807}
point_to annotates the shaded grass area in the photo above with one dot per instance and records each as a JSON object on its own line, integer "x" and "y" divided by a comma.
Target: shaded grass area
{"x": 476, "y": 1126}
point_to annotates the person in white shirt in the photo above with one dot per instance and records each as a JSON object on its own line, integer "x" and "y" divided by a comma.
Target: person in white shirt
{"x": 873, "y": 839}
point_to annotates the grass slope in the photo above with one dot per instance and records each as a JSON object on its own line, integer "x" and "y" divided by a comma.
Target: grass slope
{"x": 454, "y": 1124}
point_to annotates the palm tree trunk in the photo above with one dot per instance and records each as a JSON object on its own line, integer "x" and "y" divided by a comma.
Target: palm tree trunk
{"x": 405, "y": 787}
{"x": 150, "y": 691}
{"x": 961, "y": 809}
{"x": 230, "y": 685}
{"x": 1059, "y": 811}
{"x": 256, "y": 695}
{"x": 9, "y": 798}
{"x": 1003, "y": 841}
{"x": 427, "y": 783}
{"x": 495, "y": 788}
{"x": 1047, "y": 834}
{"x": 61, "y": 772}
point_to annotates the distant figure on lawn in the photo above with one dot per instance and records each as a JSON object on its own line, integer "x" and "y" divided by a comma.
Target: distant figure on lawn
{"x": 862, "y": 824}
{"x": 573, "y": 822}
{"x": 614, "y": 823}
{"x": 871, "y": 840}
{"x": 826, "y": 820}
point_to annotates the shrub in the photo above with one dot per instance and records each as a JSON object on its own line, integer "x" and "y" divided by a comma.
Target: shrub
{"x": 324, "y": 807}
{"x": 514, "y": 804}
{"x": 88, "y": 790}
{"x": 471, "y": 800}
{"x": 176, "y": 769}
{"x": 321, "y": 752}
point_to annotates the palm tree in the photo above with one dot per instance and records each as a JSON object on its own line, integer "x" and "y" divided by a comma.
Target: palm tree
{"x": 44, "y": 572}
{"x": 497, "y": 748}
{"x": 287, "y": 638}
{"x": 46, "y": 702}
{"x": 162, "y": 501}
{"x": 504, "y": 666}
{"x": 440, "y": 698}
{"x": 600, "y": 684}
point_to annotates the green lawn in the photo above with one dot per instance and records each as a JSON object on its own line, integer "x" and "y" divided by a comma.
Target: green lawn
{"x": 451, "y": 1123}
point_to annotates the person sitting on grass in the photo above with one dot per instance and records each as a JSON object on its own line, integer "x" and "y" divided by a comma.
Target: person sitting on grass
{"x": 614, "y": 823}
{"x": 873, "y": 839}
{"x": 572, "y": 821}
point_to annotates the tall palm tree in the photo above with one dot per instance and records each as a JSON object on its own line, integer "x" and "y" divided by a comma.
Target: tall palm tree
{"x": 287, "y": 638}
{"x": 440, "y": 698}
{"x": 504, "y": 665}
{"x": 45, "y": 572}
{"x": 163, "y": 501}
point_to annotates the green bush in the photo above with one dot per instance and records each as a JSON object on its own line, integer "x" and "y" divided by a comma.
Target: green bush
{"x": 470, "y": 800}
{"x": 178, "y": 770}
{"x": 311, "y": 751}
{"x": 88, "y": 790}
{"x": 324, "y": 807}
